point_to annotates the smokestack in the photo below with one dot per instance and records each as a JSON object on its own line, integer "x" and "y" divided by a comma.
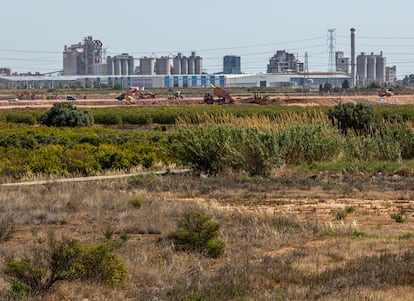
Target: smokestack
{"x": 353, "y": 57}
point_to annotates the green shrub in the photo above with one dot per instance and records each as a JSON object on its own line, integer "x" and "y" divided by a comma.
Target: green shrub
{"x": 408, "y": 235}
{"x": 214, "y": 149}
{"x": 21, "y": 117}
{"x": 341, "y": 215}
{"x": 108, "y": 118}
{"x": 398, "y": 217}
{"x": 137, "y": 202}
{"x": 66, "y": 260}
{"x": 17, "y": 292}
{"x": 197, "y": 232}
{"x": 300, "y": 143}
{"x": 359, "y": 117}
{"x": 65, "y": 114}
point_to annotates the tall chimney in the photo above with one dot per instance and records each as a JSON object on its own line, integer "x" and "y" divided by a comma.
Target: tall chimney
{"x": 353, "y": 57}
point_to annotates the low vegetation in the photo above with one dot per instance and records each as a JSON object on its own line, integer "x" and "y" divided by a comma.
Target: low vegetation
{"x": 294, "y": 208}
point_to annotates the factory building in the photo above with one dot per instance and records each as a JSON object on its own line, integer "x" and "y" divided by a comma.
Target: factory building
{"x": 82, "y": 59}
{"x": 177, "y": 81}
{"x": 5, "y": 71}
{"x": 231, "y": 64}
{"x": 283, "y": 61}
{"x": 122, "y": 64}
{"x": 343, "y": 64}
{"x": 391, "y": 74}
{"x": 371, "y": 69}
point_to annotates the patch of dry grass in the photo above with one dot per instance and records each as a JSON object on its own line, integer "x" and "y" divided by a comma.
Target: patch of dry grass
{"x": 283, "y": 240}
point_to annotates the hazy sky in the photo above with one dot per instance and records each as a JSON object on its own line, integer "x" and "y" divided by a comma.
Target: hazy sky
{"x": 34, "y": 32}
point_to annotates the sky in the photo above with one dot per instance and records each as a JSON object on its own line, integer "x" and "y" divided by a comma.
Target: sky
{"x": 34, "y": 32}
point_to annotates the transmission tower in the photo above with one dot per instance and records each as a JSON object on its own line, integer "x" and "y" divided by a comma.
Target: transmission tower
{"x": 331, "y": 49}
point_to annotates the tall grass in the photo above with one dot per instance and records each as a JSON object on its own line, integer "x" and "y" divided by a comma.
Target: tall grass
{"x": 259, "y": 144}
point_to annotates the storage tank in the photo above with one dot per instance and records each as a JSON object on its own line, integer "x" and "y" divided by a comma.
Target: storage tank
{"x": 147, "y": 65}
{"x": 117, "y": 66}
{"x": 191, "y": 64}
{"x": 198, "y": 65}
{"x": 184, "y": 65}
{"x": 131, "y": 65}
{"x": 381, "y": 68}
{"x": 362, "y": 68}
{"x": 177, "y": 64}
{"x": 163, "y": 65}
{"x": 110, "y": 65}
{"x": 371, "y": 68}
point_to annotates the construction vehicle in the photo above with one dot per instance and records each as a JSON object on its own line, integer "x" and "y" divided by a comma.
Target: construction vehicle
{"x": 387, "y": 93}
{"x": 31, "y": 95}
{"x": 208, "y": 98}
{"x": 134, "y": 93}
{"x": 177, "y": 95}
{"x": 222, "y": 95}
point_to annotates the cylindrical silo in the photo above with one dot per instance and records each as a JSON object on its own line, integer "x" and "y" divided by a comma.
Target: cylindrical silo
{"x": 147, "y": 66}
{"x": 198, "y": 65}
{"x": 381, "y": 69}
{"x": 184, "y": 65}
{"x": 163, "y": 65}
{"x": 371, "y": 68}
{"x": 362, "y": 68}
{"x": 124, "y": 65}
{"x": 177, "y": 64}
{"x": 117, "y": 66}
{"x": 191, "y": 65}
{"x": 131, "y": 65}
{"x": 110, "y": 65}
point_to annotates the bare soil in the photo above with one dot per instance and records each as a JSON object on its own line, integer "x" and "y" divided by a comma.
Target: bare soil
{"x": 297, "y": 100}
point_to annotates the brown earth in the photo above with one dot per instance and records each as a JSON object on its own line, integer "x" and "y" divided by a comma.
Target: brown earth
{"x": 296, "y": 100}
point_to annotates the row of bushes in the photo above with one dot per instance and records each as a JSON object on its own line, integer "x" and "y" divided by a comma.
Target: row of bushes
{"x": 217, "y": 148}
{"x": 84, "y": 151}
{"x": 168, "y": 115}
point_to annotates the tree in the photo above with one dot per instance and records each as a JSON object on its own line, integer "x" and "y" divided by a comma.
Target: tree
{"x": 345, "y": 84}
{"x": 358, "y": 117}
{"x": 408, "y": 80}
{"x": 66, "y": 114}
{"x": 327, "y": 87}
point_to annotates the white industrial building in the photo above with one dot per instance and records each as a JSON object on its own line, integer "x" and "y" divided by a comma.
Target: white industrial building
{"x": 263, "y": 80}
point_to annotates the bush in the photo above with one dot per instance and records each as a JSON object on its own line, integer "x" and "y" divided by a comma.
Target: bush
{"x": 66, "y": 114}
{"x": 66, "y": 260}
{"x": 359, "y": 117}
{"x": 217, "y": 148}
{"x": 197, "y": 232}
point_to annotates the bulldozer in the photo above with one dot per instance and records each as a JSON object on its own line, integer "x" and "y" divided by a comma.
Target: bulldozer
{"x": 222, "y": 96}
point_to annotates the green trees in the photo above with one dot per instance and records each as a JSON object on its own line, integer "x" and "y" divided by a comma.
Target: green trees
{"x": 66, "y": 114}
{"x": 359, "y": 117}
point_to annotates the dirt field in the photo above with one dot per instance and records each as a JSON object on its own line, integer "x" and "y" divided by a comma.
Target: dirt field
{"x": 285, "y": 238}
{"x": 314, "y": 100}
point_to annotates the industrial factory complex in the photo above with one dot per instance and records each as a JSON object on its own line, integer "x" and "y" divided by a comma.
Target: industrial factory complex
{"x": 85, "y": 64}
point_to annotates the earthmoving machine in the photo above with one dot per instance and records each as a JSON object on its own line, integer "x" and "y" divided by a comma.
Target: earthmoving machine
{"x": 134, "y": 93}
{"x": 176, "y": 95}
{"x": 222, "y": 95}
{"x": 387, "y": 93}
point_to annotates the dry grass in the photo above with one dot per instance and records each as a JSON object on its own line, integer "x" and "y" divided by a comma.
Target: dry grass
{"x": 283, "y": 240}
